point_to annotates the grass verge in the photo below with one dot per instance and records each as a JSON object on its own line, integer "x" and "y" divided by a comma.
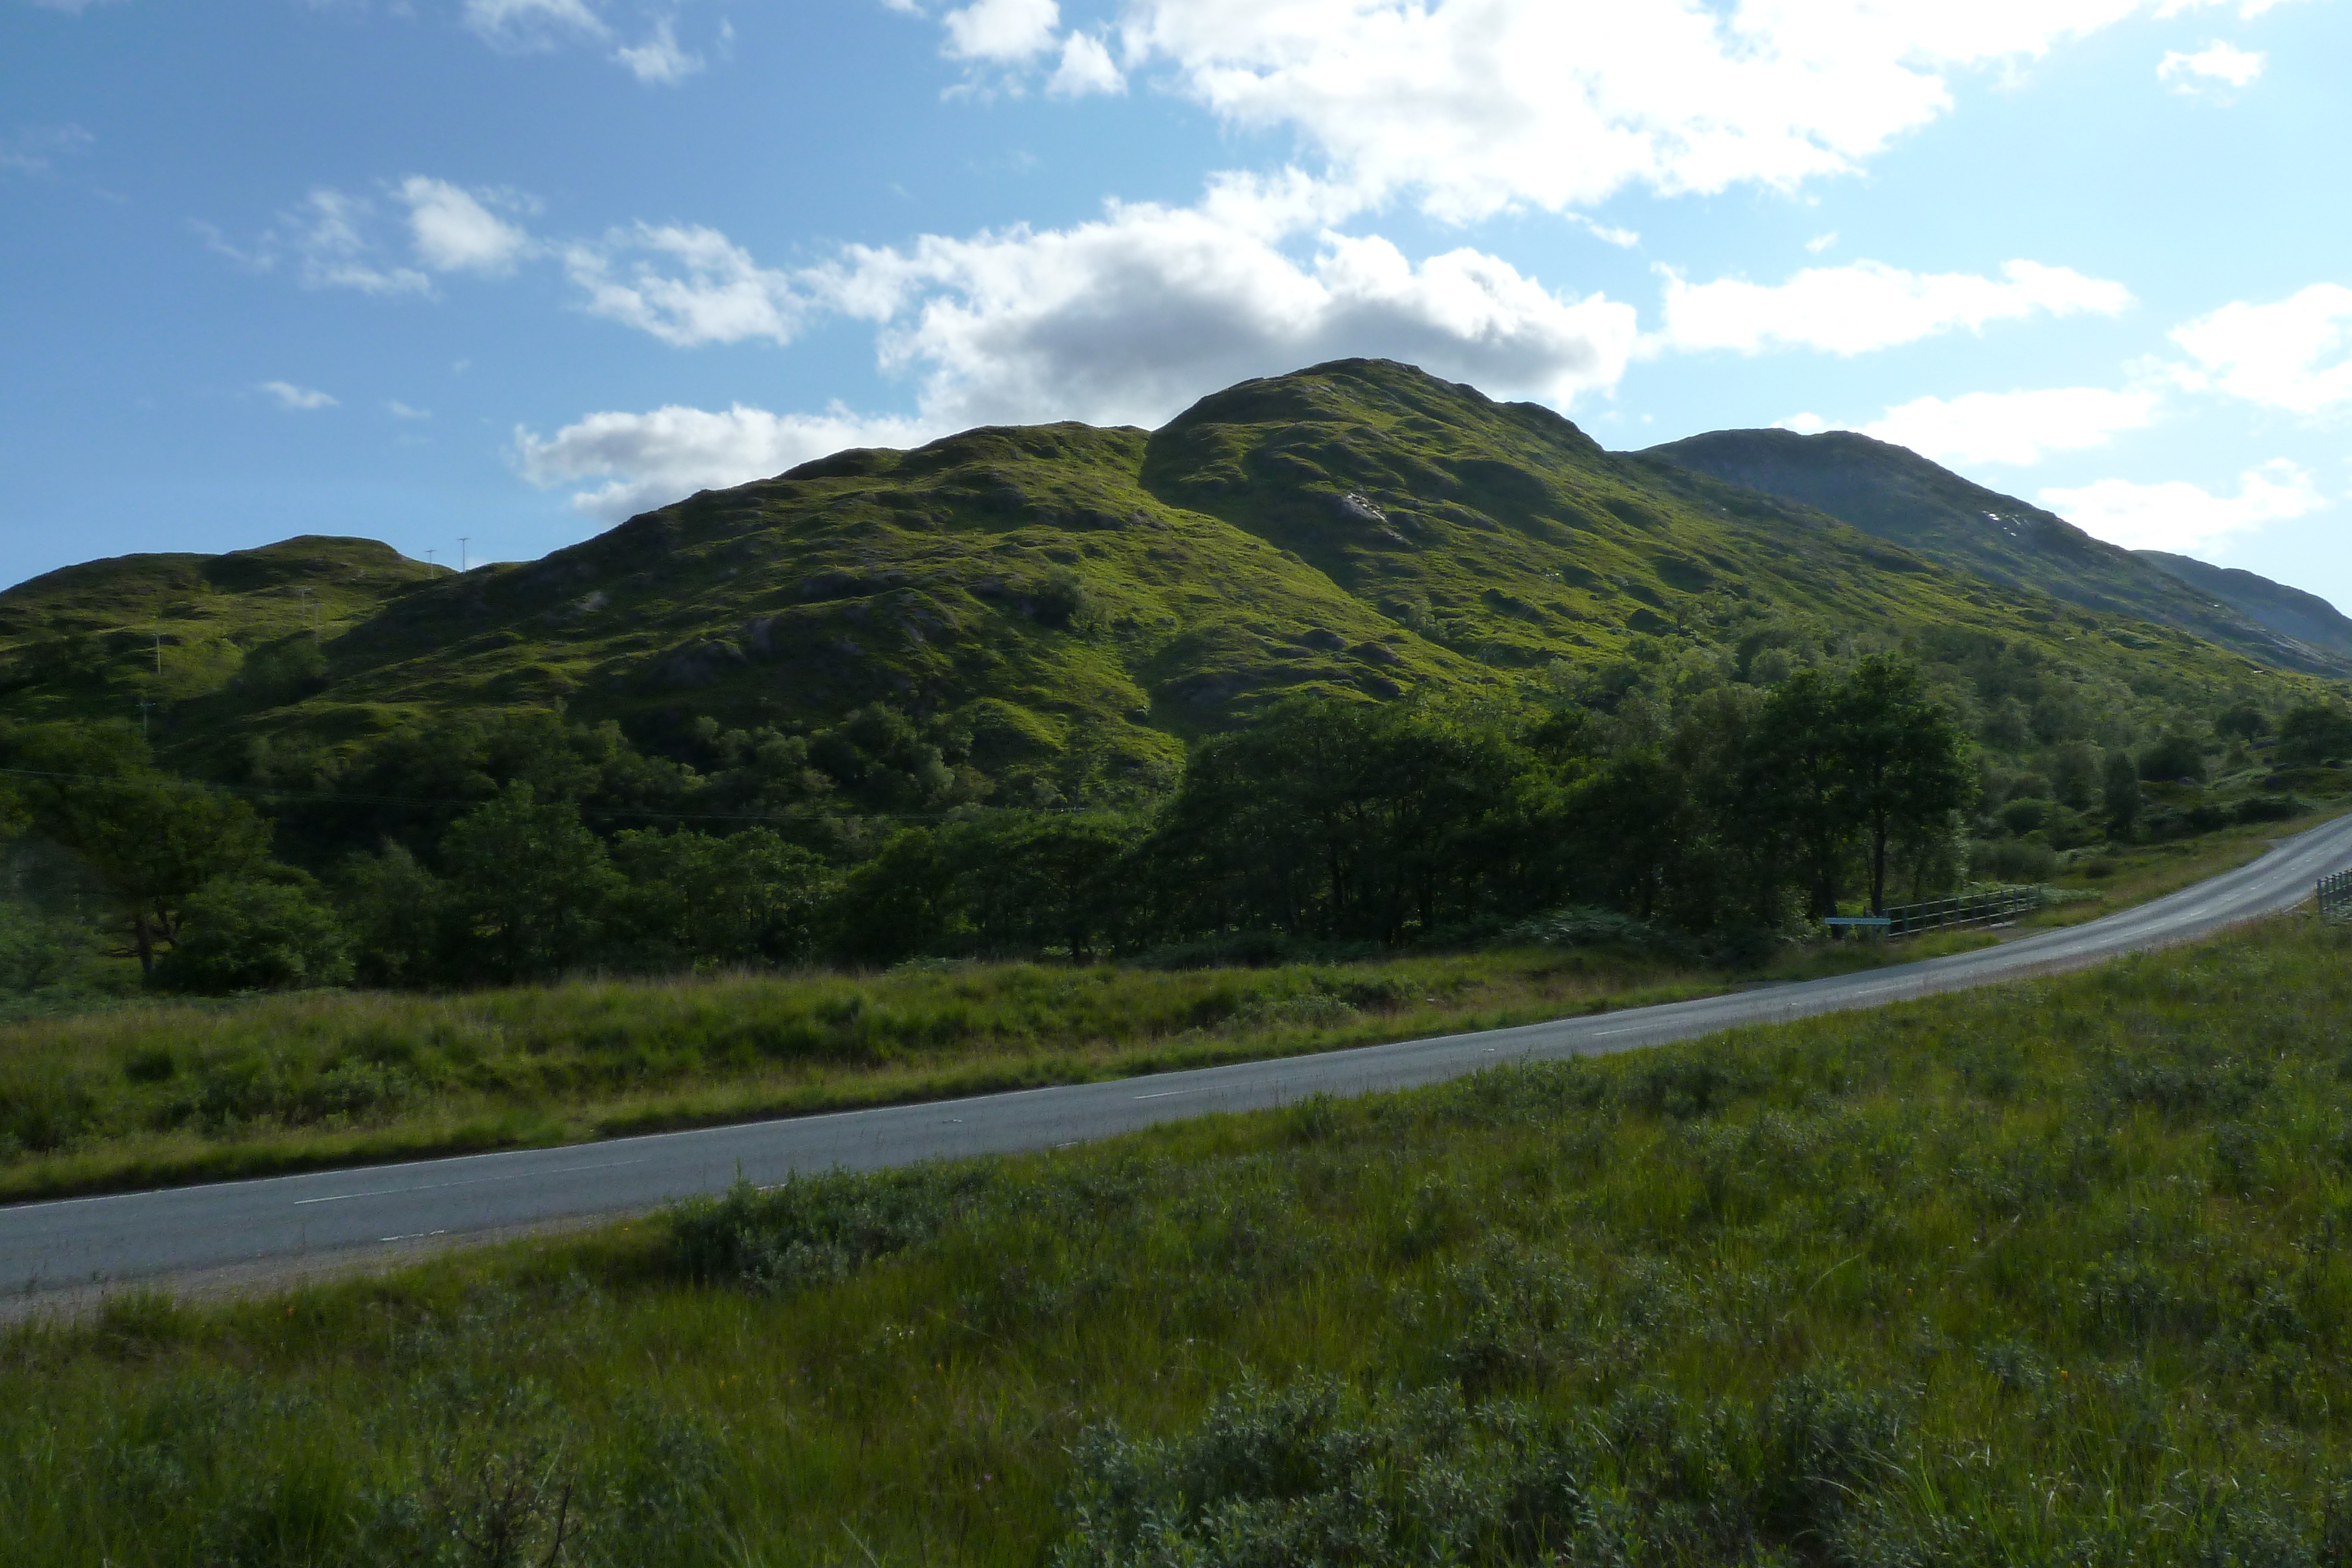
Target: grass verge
{"x": 2046, "y": 1272}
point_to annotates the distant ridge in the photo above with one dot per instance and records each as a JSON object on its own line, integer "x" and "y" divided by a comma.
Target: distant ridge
{"x": 2290, "y": 612}
{"x": 1896, "y": 495}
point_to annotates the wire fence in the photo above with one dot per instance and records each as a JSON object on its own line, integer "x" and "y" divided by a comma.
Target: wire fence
{"x": 2335, "y": 893}
{"x": 1977, "y": 906}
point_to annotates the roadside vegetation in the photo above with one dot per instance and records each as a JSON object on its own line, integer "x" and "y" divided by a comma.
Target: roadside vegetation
{"x": 2047, "y": 1273}
{"x": 175, "y": 1091}
{"x": 108, "y": 1089}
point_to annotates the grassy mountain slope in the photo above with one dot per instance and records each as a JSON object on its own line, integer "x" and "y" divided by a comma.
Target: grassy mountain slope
{"x": 1896, "y": 495}
{"x": 97, "y": 639}
{"x": 1360, "y": 528}
{"x": 2290, "y": 612}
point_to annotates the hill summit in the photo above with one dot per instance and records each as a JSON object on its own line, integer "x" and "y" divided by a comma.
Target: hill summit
{"x": 1360, "y": 529}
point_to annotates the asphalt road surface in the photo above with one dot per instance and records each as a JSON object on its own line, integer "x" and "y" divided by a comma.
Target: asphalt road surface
{"x": 285, "y": 1227}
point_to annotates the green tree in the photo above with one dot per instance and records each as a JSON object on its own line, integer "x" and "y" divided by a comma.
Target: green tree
{"x": 899, "y": 904}
{"x": 2316, "y": 732}
{"x": 1030, "y": 881}
{"x": 2120, "y": 794}
{"x": 2174, "y": 756}
{"x": 527, "y": 885}
{"x": 696, "y": 900}
{"x": 399, "y": 916}
{"x": 148, "y": 839}
{"x": 246, "y": 934}
{"x": 1904, "y": 760}
{"x": 1792, "y": 786}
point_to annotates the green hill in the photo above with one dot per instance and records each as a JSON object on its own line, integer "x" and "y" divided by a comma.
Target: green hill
{"x": 1361, "y": 529}
{"x": 2290, "y": 612}
{"x": 100, "y": 638}
{"x": 1896, "y": 495}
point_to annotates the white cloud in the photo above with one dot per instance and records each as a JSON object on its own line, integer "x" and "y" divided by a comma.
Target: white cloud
{"x": 1481, "y": 105}
{"x": 2015, "y": 427}
{"x": 1820, "y": 243}
{"x": 2216, "y": 66}
{"x": 290, "y": 396}
{"x": 1006, "y": 31}
{"x": 70, "y": 7}
{"x": 453, "y": 231}
{"x": 652, "y": 459}
{"x": 1086, "y": 67}
{"x": 2179, "y": 516}
{"x": 1868, "y": 304}
{"x": 33, "y": 151}
{"x": 532, "y": 24}
{"x": 1127, "y": 319}
{"x": 327, "y": 234}
{"x": 687, "y": 285}
{"x": 2295, "y": 354}
{"x": 399, "y": 410}
{"x": 659, "y": 59}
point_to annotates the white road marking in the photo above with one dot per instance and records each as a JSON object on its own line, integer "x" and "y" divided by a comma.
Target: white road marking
{"x": 471, "y": 1181}
{"x": 1164, "y": 1093}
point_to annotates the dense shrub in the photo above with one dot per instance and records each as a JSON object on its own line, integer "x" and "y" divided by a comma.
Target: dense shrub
{"x": 247, "y": 935}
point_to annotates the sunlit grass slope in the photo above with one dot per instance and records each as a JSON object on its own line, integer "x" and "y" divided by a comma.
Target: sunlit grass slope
{"x": 1360, "y": 528}
{"x": 2050, "y": 1274}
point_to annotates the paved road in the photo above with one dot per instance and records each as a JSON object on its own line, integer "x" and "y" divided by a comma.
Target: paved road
{"x": 61, "y": 1250}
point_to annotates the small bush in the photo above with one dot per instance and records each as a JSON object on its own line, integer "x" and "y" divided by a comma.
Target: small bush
{"x": 811, "y": 1229}
{"x": 2012, "y": 860}
{"x": 2269, "y": 809}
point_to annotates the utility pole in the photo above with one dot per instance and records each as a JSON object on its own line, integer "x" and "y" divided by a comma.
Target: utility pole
{"x": 465, "y": 562}
{"x": 143, "y": 706}
{"x": 429, "y": 562}
{"x": 159, "y": 654}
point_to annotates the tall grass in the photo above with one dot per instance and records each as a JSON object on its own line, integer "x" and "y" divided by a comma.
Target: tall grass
{"x": 2049, "y": 1273}
{"x": 198, "y": 1090}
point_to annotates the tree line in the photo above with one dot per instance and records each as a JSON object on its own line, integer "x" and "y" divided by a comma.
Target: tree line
{"x": 1749, "y": 813}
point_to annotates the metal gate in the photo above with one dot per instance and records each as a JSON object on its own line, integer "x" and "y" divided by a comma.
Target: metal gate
{"x": 2335, "y": 896}
{"x": 1977, "y": 906}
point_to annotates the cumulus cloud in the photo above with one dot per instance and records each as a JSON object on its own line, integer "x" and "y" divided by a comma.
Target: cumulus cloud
{"x": 301, "y": 398}
{"x": 1086, "y": 67}
{"x": 652, "y": 459}
{"x": 686, "y": 285}
{"x": 399, "y": 410}
{"x": 1868, "y": 305}
{"x": 453, "y": 231}
{"x": 2016, "y": 427}
{"x": 2293, "y": 354}
{"x": 1004, "y": 31}
{"x": 658, "y": 60}
{"x": 2216, "y": 70}
{"x": 1481, "y": 105}
{"x": 1127, "y": 319}
{"x": 2179, "y": 516}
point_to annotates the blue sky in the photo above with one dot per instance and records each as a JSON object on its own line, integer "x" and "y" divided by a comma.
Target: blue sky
{"x": 510, "y": 270}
